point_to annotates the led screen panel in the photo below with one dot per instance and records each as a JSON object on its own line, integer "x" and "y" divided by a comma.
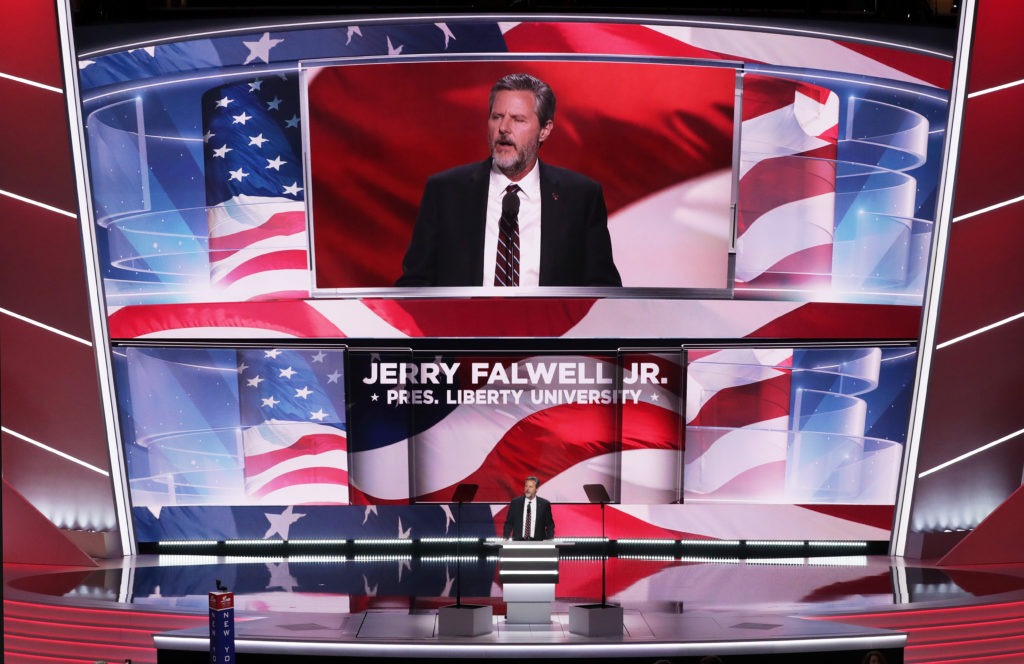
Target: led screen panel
{"x": 656, "y": 137}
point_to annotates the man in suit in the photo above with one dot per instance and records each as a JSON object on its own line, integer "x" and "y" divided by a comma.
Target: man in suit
{"x": 512, "y": 220}
{"x": 529, "y": 516}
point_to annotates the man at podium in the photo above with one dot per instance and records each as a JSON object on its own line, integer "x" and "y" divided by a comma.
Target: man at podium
{"x": 529, "y": 516}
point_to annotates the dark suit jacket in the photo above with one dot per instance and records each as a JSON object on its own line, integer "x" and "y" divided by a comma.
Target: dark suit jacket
{"x": 447, "y": 245}
{"x": 544, "y": 523}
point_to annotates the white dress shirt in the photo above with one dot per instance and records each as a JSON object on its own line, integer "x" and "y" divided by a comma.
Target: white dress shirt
{"x": 529, "y": 226}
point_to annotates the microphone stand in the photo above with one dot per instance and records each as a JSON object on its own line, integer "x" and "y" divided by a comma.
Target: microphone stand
{"x": 596, "y": 493}
{"x": 463, "y": 493}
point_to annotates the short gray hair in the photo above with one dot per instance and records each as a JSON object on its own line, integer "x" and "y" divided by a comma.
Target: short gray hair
{"x": 535, "y": 480}
{"x": 543, "y": 96}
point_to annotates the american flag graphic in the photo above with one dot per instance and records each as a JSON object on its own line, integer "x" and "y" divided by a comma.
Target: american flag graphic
{"x": 564, "y": 439}
{"x": 254, "y": 190}
{"x": 293, "y": 427}
{"x": 787, "y": 186}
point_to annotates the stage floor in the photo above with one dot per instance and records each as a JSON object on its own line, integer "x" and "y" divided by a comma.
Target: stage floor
{"x": 327, "y": 605}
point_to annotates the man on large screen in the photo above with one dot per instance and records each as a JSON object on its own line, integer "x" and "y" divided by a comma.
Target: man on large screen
{"x": 512, "y": 220}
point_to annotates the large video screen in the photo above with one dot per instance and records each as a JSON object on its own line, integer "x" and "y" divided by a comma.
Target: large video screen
{"x": 314, "y": 443}
{"x": 656, "y": 139}
{"x": 747, "y": 164}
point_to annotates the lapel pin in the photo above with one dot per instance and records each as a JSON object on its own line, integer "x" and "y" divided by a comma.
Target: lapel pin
{"x": 554, "y": 196}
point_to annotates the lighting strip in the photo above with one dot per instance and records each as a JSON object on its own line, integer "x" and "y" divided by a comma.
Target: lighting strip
{"x": 94, "y": 283}
{"x": 983, "y": 210}
{"x": 64, "y": 455}
{"x": 34, "y": 84}
{"x": 980, "y": 330}
{"x": 997, "y": 88}
{"x": 48, "y": 328}
{"x": 967, "y": 455}
{"x": 520, "y": 572}
{"x": 933, "y": 286}
{"x": 38, "y": 204}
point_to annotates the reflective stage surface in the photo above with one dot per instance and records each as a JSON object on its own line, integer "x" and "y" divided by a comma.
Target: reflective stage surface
{"x": 663, "y": 599}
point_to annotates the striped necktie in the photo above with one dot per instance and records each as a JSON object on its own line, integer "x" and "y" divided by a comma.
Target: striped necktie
{"x": 506, "y": 265}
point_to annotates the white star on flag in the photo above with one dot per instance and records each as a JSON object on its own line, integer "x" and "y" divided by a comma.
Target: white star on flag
{"x": 207, "y": 136}
{"x": 281, "y": 577}
{"x": 449, "y": 518}
{"x": 276, "y": 163}
{"x": 272, "y": 354}
{"x": 292, "y": 121}
{"x": 448, "y": 36}
{"x": 333, "y": 378}
{"x": 288, "y": 373}
{"x": 318, "y": 415}
{"x": 260, "y": 50}
{"x": 394, "y": 50}
{"x": 223, "y": 102}
{"x": 352, "y": 30}
{"x": 238, "y": 175}
{"x": 258, "y": 140}
{"x": 281, "y": 523}
{"x": 303, "y": 393}
{"x": 255, "y": 85}
{"x": 270, "y": 401}
{"x": 254, "y": 382}
{"x": 221, "y": 151}
{"x": 241, "y": 119}
{"x": 319, "y": 357}
{"x": 293, "y": 190}
{"x": 274, "y": 103}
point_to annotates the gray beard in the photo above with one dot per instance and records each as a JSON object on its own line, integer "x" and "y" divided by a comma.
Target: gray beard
{"x": 514, "y": 165}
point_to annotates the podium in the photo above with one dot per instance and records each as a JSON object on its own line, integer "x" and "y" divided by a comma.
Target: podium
{"x": 528, "y": 571}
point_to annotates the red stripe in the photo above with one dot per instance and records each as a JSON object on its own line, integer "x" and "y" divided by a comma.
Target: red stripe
{"x": 625, "y": 39}
{"x": 492, "y": 317}
{"x": 289, "y": 317}
{"x": 807, "y": 268}
{"x": 831, "y": 320}
{"x": 777, "y": 181}
{"x": 301, "y": 476}
{"x": 740, "y": 406}
{"x": 279, "y": 295}
{"x": 548, "y": 442}
{"x": 768, "y": 479}
{"x": 281, "y": 223}
{"x": 306, "y": 445}
{"x": 934, "y": 70}
{"x": 289, "y": 259}
{"x": 877, "y": 516}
